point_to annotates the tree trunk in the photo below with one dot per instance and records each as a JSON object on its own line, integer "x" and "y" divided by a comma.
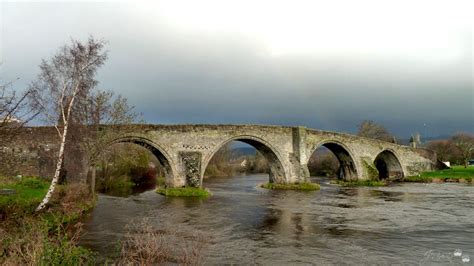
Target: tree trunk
{"x": 93, "y": 175}
{"x": 56, "y": 173}
{"x": 60, "y": 155}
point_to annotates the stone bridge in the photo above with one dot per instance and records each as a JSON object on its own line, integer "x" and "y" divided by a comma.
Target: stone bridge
{"x": 185, "y": 151}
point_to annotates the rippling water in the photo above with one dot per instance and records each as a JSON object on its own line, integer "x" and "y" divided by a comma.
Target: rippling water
{"x": 399, "y": 224}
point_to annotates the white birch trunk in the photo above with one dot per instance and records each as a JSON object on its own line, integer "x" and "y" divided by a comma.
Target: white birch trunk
{"x": 56, "y": 173}
{"x": 54, "y": 182}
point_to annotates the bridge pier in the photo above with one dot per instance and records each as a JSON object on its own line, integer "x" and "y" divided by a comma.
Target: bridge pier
{"x": 299, "y": 161}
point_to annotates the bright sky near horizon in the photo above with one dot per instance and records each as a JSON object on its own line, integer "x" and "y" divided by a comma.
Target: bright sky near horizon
{"x": 322, "y": 64}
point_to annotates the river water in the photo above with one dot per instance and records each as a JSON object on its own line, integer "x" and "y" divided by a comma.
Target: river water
{"x": 403, "y": 223}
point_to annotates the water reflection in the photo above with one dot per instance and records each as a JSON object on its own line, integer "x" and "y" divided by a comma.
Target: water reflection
{"x": 249, "y": 225}
{"x": 128, "y": 191}
{"x": 388, "y": 195}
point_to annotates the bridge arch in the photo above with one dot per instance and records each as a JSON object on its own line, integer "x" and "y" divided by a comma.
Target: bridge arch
{"x": 348, "y": 169}
{"x": 163, "y": 157}
{"x": 277, "y": 171}
{"x": 388, "y": 165}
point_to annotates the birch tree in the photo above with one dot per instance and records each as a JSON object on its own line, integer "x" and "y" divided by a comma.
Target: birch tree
{"x": 68, "y": 77}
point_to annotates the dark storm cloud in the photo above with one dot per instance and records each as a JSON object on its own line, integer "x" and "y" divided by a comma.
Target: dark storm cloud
{"x": 174, "y": 75}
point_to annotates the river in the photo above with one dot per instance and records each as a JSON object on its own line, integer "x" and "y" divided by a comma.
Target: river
{"x": 404, "y": 223}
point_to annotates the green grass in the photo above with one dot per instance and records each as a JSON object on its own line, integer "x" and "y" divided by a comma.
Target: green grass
{"x": 360, "y": 183}
{"x": 44, "y": 238}
{"x": 307, "y": 186}
{"x": 184, "y": 192}
{"x": 454, "y": 174}
{"x": 29, "y": 193}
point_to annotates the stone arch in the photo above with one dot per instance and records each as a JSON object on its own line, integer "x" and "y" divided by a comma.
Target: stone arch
{"x": 277, "y": 171}
{"x": 347, "y": 165}
{"x": 388, "y": 165}
{"x": 156, "y": 150}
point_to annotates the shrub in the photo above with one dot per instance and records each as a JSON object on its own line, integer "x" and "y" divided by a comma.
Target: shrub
{"x": 144, "y": 245}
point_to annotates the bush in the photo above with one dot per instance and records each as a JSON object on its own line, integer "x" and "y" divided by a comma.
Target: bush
{"x": 64, "y": 251}
{"x": 73, "y": 198}
{"x": 144, "y": 245}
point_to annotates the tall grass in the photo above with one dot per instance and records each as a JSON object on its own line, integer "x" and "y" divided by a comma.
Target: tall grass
{"x": 144, "y": 245}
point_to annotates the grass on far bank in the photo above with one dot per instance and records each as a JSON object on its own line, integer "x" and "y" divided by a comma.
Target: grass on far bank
{"x": 360, "y": 183}
{"x": 307, "y": 186}
{"x": 184, "y": 192}
{"x": 453, "y": 174}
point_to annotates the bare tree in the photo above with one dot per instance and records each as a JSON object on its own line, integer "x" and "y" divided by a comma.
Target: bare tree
{"x": 68, "y": 77}
{"x": 220, "y": 164}
{"x": 465, "y": 144}
{"x": 96, "y": 119}
{"x": 13, "y": 108}
{"x": 371, "y": 129}
{"x": 445, "y": 149}
{"x": 323, "y": 163}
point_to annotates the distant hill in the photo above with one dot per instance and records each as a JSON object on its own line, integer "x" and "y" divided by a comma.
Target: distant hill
{"x": 244, "y": 151}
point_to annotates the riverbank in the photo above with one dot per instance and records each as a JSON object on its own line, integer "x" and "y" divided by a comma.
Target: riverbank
{"x": 46, "y": 238}
{"x": 456, "y": 174}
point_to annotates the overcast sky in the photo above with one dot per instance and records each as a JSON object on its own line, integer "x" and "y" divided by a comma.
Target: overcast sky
{"x": 320, "y": 64}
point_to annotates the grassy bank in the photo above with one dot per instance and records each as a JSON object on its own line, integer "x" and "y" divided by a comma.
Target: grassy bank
{"x": 27, "y": 194}
{"x": 297, "y": 186}
{"x": 46, "y": 238}
{"x": 359, "y": 183}
{"x": 454, "y": 174}
{"x": 180, "y": 191}
{"x": 184, "y": 192}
